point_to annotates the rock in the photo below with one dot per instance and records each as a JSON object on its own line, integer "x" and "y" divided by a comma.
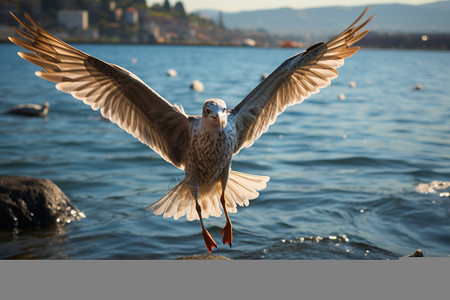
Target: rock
{"x": 203, "y": 257}
{"x": 352, "y": 84}
{"x": 418, "y": 253}
{"x": 197, "y": 86}
{"x": 341, "y": 96}
{"x": 30, "y": 110}
{"x": 28, "y": 202}
{"x": 264, "y": 76}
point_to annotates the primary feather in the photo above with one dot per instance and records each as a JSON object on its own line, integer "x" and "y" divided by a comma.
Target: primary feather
{"x": 293, "y": 81}
{"x": 119, "y": 94}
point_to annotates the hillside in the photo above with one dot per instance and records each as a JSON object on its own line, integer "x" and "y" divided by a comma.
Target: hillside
{"x": 320, "y": 22}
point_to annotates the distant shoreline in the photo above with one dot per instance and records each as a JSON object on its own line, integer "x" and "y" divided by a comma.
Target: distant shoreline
{"x": 362, "y": 45}
{"x": 373, "y": 40}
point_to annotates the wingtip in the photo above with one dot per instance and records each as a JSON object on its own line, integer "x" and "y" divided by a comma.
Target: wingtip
{"x": 369, "y": 18}
{"x": 366, "y": 10}
{"x": 21, "y": 54}
{"x": 30, "y": 18}
{"x": 39, "y": 73}
{"x": 15, "y": 17}
{"x": 12, "y": 14}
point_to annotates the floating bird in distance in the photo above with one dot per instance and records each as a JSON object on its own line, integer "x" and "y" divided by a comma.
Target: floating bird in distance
{"x": 30, "y": 110}
{"x": 202, "y": 145}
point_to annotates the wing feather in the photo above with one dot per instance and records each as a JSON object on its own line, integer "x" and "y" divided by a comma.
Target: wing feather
{"x": 119, "y": 94}
{"x": 293, "y": 81}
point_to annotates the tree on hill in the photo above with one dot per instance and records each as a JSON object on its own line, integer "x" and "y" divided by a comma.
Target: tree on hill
{"x": 166, "y": 6}
{"x": 179, "y": 8}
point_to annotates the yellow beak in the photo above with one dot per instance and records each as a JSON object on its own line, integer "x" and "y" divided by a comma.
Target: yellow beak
{"x": 220, "y": 123}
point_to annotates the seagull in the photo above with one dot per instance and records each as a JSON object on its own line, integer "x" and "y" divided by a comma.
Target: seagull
{"x": 201, "y": 145}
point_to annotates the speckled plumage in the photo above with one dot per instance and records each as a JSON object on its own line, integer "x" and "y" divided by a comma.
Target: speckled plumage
{"x": 210, "y": 151}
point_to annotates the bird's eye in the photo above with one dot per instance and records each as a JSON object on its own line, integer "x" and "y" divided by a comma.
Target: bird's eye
{"x": 223, "y": 109}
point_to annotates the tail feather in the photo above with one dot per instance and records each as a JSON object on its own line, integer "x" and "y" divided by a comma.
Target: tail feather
{"x": 176, "y": 203}
{"x": 241, "y": 188}
{"x": 179, "y": 201}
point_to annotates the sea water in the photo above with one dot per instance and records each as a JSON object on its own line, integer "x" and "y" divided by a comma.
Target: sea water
{"x": 361, "y": 178}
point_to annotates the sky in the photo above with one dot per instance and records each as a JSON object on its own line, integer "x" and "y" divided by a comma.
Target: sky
{"x": 240, "y": 5}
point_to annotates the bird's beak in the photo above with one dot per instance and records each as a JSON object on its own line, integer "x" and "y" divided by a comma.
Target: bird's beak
{"x": 220, "y": 123}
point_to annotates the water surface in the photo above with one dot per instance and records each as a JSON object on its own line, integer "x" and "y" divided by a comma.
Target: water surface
{"x": 347, "y": 176}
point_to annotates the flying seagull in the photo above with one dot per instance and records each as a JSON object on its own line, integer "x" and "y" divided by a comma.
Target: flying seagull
{"x": 201, "y": 145}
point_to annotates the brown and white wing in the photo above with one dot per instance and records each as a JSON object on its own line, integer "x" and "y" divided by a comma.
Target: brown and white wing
{"x": 119, "y": 94}
{"x": 292, "y": 82}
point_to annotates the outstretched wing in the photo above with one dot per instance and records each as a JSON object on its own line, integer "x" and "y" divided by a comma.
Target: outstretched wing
{"x": 119, "y": 94}
{"x": 293, "y": 81}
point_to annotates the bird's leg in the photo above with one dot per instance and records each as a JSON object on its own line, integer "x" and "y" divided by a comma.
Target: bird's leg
{"x": 227, "y": 231}
{"x": 209, "y": 242}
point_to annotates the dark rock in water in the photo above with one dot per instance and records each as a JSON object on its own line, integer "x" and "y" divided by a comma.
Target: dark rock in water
{"x": 418, "y": 253}
{"x": 203, "y": 257}
{"x": 30, "y": 110}
{"x": 27, "y": 202}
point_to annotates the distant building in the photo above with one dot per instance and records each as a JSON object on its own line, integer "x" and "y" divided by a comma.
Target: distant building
{"x": 112, "y": 5}
{"x": 117, "y": 14}
{"x": 153, "y": 32}
{"x": 74, "y": 18}
{"x": 131, "y": 15}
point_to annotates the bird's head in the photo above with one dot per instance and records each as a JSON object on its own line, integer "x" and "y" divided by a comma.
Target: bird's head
{"x": 215, "y": 113}
{"x": 45, "y": 108}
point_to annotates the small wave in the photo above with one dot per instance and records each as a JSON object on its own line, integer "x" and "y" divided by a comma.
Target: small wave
{"x": 353, "y": 161}
{"x": 319, "y": 247}
{"x": 428, "y": 173}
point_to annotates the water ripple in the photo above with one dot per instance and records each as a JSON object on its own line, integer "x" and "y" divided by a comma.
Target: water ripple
{"x": 371, "y": 168}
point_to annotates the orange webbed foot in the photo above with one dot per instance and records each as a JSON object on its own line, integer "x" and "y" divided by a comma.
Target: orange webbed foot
{"x": 209, "y": 241}
{"x": 227, "y": 234}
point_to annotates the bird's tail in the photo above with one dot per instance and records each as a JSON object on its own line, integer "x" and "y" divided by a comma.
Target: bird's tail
{"x": 179, "y": 201}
